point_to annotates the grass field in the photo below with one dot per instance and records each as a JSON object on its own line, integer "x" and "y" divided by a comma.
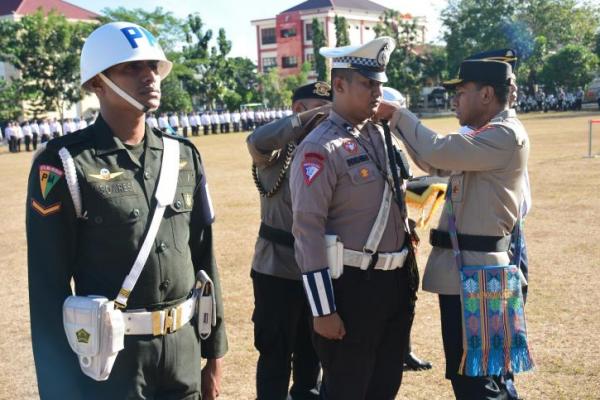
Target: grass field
{"x": 563, "y": 237}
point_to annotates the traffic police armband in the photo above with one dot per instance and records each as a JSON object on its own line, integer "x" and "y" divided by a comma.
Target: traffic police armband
{"x": 319, "y": 291}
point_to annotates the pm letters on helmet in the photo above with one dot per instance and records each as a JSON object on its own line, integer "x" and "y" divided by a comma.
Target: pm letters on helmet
{"x": 132, "y": 33}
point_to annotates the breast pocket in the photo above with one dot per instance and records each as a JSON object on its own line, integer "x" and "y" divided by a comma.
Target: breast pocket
{"x": 363, "y": 174}
{"x": 179, "y": 215}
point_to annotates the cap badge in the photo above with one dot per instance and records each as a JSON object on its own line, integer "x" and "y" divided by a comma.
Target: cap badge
{"x": 322, "y": 89}
{"x": 384, "y": 55}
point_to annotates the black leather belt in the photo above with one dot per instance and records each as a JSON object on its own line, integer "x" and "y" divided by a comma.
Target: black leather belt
{"x": 276, "y": 235}
{"x": 487, "y": 244}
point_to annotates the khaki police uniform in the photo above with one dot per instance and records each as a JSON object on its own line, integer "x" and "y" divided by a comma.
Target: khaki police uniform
{"x": 337, "y": 186}
{"x": 281, "y": 314}
{"x": 117, "y": 184}
{"x": 487, "y": 175}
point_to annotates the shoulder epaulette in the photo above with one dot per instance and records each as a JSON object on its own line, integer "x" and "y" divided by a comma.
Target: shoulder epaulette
{"x": 69, "y": 139}
{"x": 182, "y": 139}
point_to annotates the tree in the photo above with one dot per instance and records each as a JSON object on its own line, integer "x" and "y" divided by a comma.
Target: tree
{"x": 162, "y": 24}
{"x": 435, "y": 68}
{"x": 534, "y": 28}
{"x": 318, "y": 41}
{"x": 46, "y": 50}
{"x": 341, "y": 31}
{"x": 174, "y": 96}
{"x": 472, "y": 26}
{"x": 577, "y": 60}
{"x": 405, "y": 68}
{"x": 10, "y": 104}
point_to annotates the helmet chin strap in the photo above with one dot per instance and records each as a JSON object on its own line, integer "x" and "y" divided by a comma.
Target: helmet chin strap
{"x": 123, "y": 94}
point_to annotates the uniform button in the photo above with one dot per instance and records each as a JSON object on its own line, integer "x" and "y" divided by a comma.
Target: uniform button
{"x": 98, "y": 220}
{"x": 147, "y": 175}
{"x": 162, "y": 247}
{"x": 164, "y": 285}
{"x": 178, "y": 204}
{"x": 135, "y": 213}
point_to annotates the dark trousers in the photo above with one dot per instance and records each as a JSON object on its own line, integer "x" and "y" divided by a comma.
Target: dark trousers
{"x": 465, "y": 387}
{"x": 34, "y": 141}
{"x": 205, "y": 129}
{"x": 44, "y": 138}
{"x": 282, "y": 338}
{"x": 236, "y": 126}
{"x": 27, "y": 143}
{"x": 161, "y": 367}
{"x": 367, "y": 363}
{"x": 213, "y": 128}
{"x": 185, "y": 131}
{"x": 195, "y": 130}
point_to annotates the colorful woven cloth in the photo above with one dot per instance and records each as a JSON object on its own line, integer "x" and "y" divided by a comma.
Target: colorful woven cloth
{"x": 494, "y": 332}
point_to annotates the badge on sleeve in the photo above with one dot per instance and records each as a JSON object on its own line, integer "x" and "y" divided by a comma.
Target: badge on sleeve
{"x": 49, "y": 175}
{"x": 45, "y": 211}
{"x": 312, "y": 167}
{"x": 350, "y": 146}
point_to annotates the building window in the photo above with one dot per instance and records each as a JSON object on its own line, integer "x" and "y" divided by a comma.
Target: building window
{"x": 308, "y": 30}
{"x": 289, "y": 62}
{"x": 310, "y": 57}
{"x": 269, "y": 63}
{"x": 289, "y": 32}
{"x": 268, "y": 35}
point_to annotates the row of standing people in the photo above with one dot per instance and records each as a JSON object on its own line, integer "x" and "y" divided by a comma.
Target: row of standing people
{"x": 30, "y": 133}
{"x": 214, "y": 122}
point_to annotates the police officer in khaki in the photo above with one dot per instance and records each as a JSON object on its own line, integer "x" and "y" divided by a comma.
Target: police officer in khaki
{"x": 349, "y": 235}
{"x": 89, "y": 230}
{"x": 487, "y": 174}
{"x": 281, "y": 312}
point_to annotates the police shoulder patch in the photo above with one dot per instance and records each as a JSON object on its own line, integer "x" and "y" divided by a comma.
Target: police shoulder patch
{"x": 312, "y": 167}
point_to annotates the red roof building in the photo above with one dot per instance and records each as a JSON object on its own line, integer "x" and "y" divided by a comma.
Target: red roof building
{"x": 285, "y": 41}
{"x": 18, "y": 8}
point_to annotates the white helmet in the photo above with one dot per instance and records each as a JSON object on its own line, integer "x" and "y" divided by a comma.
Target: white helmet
{"x": 119, "y": 42}
{"x": 391, "y": 94}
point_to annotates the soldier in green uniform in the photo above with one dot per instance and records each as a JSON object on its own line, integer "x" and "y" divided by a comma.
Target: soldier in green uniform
{"x": 281, "y": 313}
{"x": 88, "y": 239}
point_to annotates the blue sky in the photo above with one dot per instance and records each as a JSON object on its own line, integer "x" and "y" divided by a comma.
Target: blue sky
{"x": 235, "y": 15}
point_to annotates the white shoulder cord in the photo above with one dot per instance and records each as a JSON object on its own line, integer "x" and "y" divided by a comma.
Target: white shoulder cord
{"x": 165, "y": 193}
{"x": 72, "y": 183}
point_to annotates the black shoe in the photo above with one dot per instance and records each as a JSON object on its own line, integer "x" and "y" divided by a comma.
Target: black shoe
{"x": 413, "y": 363}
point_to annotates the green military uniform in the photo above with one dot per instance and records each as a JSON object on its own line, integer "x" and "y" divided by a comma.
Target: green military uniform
{"x": 117, "y": 184}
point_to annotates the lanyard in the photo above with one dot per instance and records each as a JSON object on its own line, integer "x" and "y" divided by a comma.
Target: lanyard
{"x": 452, "y": 231}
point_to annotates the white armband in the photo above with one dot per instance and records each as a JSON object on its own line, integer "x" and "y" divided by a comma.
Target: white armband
{"x": 319, "y": 290}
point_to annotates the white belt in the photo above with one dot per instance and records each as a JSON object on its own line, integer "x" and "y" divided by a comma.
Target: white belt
{"x": 385, "y": 261}
{"x": 159, "y": 322}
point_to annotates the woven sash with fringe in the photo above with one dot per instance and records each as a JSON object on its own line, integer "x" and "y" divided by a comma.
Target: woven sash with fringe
{"x": 493, "y": 315}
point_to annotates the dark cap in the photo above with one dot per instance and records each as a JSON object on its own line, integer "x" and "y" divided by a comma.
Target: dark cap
{"x": 317, "y": 90}
{"x": 505, "y": 55}
{"x": 482, "y": 71}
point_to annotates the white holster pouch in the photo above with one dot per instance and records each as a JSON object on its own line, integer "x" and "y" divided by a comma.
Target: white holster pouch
{"x": 94, "y": 325}
{"x": 95, "y": 331}
{"x": 206, "y": 307}
{"x": 335, "y": 255}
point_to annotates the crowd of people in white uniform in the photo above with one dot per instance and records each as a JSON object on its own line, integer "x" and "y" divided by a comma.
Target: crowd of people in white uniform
{"x": 215, "y": 122}
{"x": 29, "y": 133}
